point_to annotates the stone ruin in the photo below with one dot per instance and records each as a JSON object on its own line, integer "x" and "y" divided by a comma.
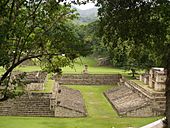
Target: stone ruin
{"x": 128, "y": 103}
{"x": 130, "y": 99}
{"x": 33, "y": 81}
{"x": 90, "y": 79}
{"x": 61, "y": 102}
{"x": 36, "y": 80}
{"x": 69, "y": 103}
{"x": 155, "y": 79}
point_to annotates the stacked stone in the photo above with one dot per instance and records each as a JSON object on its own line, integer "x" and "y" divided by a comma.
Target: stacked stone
{"x": 36, "y": 80}
{"x": 90, "y": 79}
{"x": 69, "y": 103}
{"x": 128, "y": 103}
{"x": 33, "y": 104}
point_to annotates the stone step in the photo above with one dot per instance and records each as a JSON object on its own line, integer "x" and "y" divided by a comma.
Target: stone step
{"x": 41, "y": 109}
{"x": 161, "y": 110}
{"x": 36, "y": 112}
{"x": 161, "y": 102}
{"x": 31, "y": 104}
{"x": 160, "y": 98}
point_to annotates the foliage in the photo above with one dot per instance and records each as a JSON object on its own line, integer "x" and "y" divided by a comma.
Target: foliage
{"x": 145, "y": 24}
{"x": 37, "y": 29}
{"x": 79, "y": 67}
{"x": 142, "y": 23}
{"x": 91, "y": 35}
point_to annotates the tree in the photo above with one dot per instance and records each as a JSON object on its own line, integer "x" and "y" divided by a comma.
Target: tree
{"x": 90, "y": 34}
{"x": 37, "y": 29}
{"x": 145, "y": 24}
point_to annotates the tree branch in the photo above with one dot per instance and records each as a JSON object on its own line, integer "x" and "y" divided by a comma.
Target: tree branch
{"x": 20, "y": 61}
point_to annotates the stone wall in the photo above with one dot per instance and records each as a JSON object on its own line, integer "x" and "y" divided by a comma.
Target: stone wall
{"x": 65, "y": 112}
{"x": 70, "y": 103}
{"x": 129, "y": 103}
{"x": 33, "y": 104}
{"x": 36, "y": 80}
{"x": 157, "y": 99}
{"x": 142, "y": 112}
{"x": 35, "y": 87}
{"x": 64, "y": 102}
{"x": 90, "y": 79}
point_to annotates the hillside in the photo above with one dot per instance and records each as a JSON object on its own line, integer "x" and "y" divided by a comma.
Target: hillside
{"x": 87, "y": 16}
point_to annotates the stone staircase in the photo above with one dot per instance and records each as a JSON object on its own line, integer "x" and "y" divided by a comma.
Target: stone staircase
{"x": 158, "y": 99}
{"x": 33, "y": 107}
{"x": 62, "y": 102}
{"x": 90, "y": 79}
{"x": 127, "y": 102}
{"x": 160, "y": 104}
{"x": 34, "y": 104}
{"x": 5, "y": 107}
{"x": 71, "y": 102}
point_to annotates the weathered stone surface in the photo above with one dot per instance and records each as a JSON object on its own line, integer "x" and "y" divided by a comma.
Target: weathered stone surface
{"x": 90, "y": 79}
{"x": 157, "y": 78}
{"x": 36, "y": 80}
{"x": 129, "y": 99}
{"x": 157, "y": 99}
{"x": 72, "y": 101}
{"x": 64, "y": 102}
{"x": 33, "y": 104}
{"x": 128, "y": 103}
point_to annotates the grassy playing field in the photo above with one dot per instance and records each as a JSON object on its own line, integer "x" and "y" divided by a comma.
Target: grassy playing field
{"x": 78, "y": 67}
{"x": 100, "y": 112}
{"x": 100, "y": 115}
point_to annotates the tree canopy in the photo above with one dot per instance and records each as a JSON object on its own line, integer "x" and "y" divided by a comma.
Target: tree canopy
{"x": 38, "y": 29}
{"x": 142, "y": 24}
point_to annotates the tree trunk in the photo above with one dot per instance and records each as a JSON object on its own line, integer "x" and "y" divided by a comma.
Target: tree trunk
{"x": 15, "y": 65}
{"x": 133, "y": 72}
{"x": 167, "y": 113}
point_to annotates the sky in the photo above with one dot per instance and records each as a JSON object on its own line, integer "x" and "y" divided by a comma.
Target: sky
{"x": 86, "y": 6}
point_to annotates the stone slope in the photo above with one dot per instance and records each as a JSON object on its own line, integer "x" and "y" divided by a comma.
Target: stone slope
{"x": 71, "y": 99}
{"x": 127, "y": 102}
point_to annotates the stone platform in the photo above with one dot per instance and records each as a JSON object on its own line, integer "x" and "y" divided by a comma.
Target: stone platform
{"x": 64, "y": 102}
{"x": 90, "y": 79}
{"x": 131, "y": 99}
{"x": 70, "y": 103}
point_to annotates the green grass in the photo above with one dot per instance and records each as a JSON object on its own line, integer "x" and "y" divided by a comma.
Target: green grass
{"x": 28, "y": 68}
{"x": 1, "y": 70}
{"x": 100, "y": 115}
{"x": 79, "y": 67}
{"x": 49, "y": 85}
{"x": 93, "y": 68}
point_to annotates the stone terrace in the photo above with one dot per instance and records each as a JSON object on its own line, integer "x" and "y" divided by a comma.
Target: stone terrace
{"x": 72, "y": 100}
{"x": 128, "y": 103}
{"x": 36, "y": 80}
{"x": 30, "y": 104}
{"x": 36, "y": 77}
{"x": 90, "y": 79}
{"x": 158, "y": 99}
{"x": 64, "y": 102}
